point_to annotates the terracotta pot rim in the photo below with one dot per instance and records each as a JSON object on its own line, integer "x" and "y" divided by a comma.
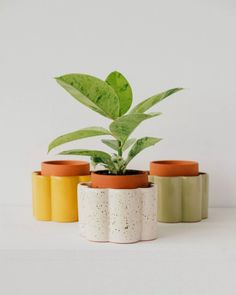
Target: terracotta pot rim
{"x": 174, "y": 168}
{"x": 65, "y": 168}
{"x": 65, "y": 162}
{"x": 175, "y": 162}
{"x": 128, "y": 181}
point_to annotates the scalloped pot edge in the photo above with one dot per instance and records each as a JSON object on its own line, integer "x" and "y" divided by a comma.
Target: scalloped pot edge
{"x": 182, "y": 198}
{"x": 117, "y": 215}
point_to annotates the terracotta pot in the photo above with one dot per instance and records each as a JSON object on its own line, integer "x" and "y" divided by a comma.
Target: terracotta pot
{"x": 133, "y": 179}
{"x": 174, "y": 168}
{"x": 65, "y": 168}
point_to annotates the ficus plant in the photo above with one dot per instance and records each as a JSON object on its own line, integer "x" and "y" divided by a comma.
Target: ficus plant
{"x": 112, "y": 99}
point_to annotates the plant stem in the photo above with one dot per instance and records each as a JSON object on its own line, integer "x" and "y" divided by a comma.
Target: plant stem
{"x": 120, "y": 149}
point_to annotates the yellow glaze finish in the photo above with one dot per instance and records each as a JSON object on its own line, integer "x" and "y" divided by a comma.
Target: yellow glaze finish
{"x": 55, "y": 197}
{"x": 41, "y": 196}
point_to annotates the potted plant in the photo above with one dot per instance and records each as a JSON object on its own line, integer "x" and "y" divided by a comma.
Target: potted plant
{"x": 112, "y": 99}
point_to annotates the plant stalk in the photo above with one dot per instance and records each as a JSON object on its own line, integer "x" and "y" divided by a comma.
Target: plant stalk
{"x": 120, "y": 149}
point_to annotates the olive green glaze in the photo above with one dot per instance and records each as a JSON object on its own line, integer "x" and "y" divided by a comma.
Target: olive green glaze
{"x": 182, "y": 198}
{"x": 205, "y": 194}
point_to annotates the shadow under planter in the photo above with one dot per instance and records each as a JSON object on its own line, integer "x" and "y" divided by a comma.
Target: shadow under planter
{"x": 182, "y": 198}
{"x": 55, "y": 197}
{"x": 117, "y": 215}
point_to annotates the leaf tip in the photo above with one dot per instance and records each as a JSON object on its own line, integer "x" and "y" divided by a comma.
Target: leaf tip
{"x": 59, "y": 80}
{"x": 50, "y": 147}
{"x": 178, "y": 89}
{"x": 115, "y": 72}
{"x": 62, "y": 153}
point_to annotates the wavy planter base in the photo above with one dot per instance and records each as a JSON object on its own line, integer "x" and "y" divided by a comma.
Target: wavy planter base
{"x": 118, "y": 215}
{"x": 182, "y": 198}
{"x": 55, "y": 197}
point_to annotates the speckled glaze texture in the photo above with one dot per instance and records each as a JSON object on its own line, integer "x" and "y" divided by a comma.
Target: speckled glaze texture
{"x": 182, "y": 198}
{"x": 117, "y": 215}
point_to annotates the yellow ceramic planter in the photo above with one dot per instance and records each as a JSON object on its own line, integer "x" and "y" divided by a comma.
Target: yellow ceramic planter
{"x": 55, "y": 197}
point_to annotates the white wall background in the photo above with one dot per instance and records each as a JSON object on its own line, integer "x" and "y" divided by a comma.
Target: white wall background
{"x": 157, "y": 44}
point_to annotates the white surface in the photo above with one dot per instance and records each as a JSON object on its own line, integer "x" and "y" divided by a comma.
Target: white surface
{"x": 157, "y": 44}
{"x": 51, "y": 258}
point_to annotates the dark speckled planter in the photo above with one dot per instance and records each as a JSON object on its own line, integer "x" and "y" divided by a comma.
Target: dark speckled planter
{"x": 182, "y": 198}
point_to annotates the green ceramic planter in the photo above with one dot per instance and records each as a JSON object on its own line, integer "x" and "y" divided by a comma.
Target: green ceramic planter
{"x": 182, "y": 198}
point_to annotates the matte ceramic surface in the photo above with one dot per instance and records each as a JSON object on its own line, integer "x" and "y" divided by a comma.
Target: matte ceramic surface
{"x": 118, "y": 215}
{"x": 65, "y": 168}
{"x": 55, "y": 197}
{"x": 182, "y": 199}
{"x": 138, "y": 179}
{"x": 174, "y": 168}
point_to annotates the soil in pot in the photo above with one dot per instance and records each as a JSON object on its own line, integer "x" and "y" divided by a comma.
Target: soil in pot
{"x": 174, "y": 168}
{"x": 131, "y": 179}
{"x": 65, "y": 168}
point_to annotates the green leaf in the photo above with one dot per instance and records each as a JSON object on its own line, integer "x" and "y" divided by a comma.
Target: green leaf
{"x": 82, "y": 133}
{"x": 123, "y": 90}
{"x": 112, "y": 143}
{"x": 128, "y": 143}
{"x": 95, "y": 161}
{"x": 122, "y": 127}
{"x": 151, "y": 101}
{"x": 105, "y": 158}
{"x": 140, "y": 145}
{"x": 93, "y": 93}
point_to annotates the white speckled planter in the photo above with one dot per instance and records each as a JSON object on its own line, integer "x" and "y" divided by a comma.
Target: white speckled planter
{"x": 117, "y": 215}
